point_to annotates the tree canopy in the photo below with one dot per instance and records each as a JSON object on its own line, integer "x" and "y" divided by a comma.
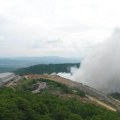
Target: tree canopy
{"x": 18, "y": 105}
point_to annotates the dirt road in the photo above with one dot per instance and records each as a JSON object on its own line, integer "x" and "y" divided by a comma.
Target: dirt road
{"x": 79, "y": 85}
{"x": 101, "y": 103}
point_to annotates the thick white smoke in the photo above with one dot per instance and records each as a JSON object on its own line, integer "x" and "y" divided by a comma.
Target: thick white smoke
{"x": 70, "y": 75}
{"x": 101, "y": 69}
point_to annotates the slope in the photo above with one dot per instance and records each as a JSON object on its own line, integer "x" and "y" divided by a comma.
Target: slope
{"x": 47, "y": 68}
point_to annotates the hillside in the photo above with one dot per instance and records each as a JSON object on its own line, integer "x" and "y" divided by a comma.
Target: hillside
{"x": 54, "y": 101}
{"x": 16, "y": 105}
{"x": 115, "y": 95}
{"x": 47, "y": 68}
{"x": 21, "y": 62}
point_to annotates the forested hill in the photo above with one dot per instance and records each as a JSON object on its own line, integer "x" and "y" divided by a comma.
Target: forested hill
{"x": 47, "y": 68}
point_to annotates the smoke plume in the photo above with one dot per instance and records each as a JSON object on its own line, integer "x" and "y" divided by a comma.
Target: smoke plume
{"x": 101, "y": 69}
{"x": 70, "y": 75}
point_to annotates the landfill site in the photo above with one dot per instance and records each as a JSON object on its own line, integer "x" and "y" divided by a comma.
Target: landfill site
{"x": 8, "y": 77}
{"x": 93, "y": 94}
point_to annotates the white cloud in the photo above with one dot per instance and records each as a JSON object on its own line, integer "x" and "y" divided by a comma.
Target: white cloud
{"x": 76, "y": 24}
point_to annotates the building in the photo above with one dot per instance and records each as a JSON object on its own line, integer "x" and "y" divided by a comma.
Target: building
{"x": 6, "y": 77}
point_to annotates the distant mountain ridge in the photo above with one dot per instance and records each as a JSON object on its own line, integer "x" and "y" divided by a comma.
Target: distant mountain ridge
{"x": 10, "y": 64}
{"x": 47, "y": 68}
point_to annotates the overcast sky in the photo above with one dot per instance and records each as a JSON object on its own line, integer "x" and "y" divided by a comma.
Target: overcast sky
{"x": 67, "y": 28}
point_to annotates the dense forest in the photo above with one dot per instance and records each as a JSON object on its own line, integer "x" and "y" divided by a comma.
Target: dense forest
{"x": 18, "y": 102}
{"x": 17, "y": 105}
{"x": 47, "y": 68}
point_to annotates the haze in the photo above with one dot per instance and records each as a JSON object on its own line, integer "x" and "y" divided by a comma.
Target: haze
{"x": 67, "y": 28}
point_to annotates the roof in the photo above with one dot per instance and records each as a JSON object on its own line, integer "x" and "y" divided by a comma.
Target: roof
{"x": 2, "y": 75}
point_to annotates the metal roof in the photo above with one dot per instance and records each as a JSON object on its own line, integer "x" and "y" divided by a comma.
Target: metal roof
{"x": 2, "y": 75}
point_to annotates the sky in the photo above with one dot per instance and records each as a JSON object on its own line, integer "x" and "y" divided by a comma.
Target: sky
{"x": 65, "y": 28}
